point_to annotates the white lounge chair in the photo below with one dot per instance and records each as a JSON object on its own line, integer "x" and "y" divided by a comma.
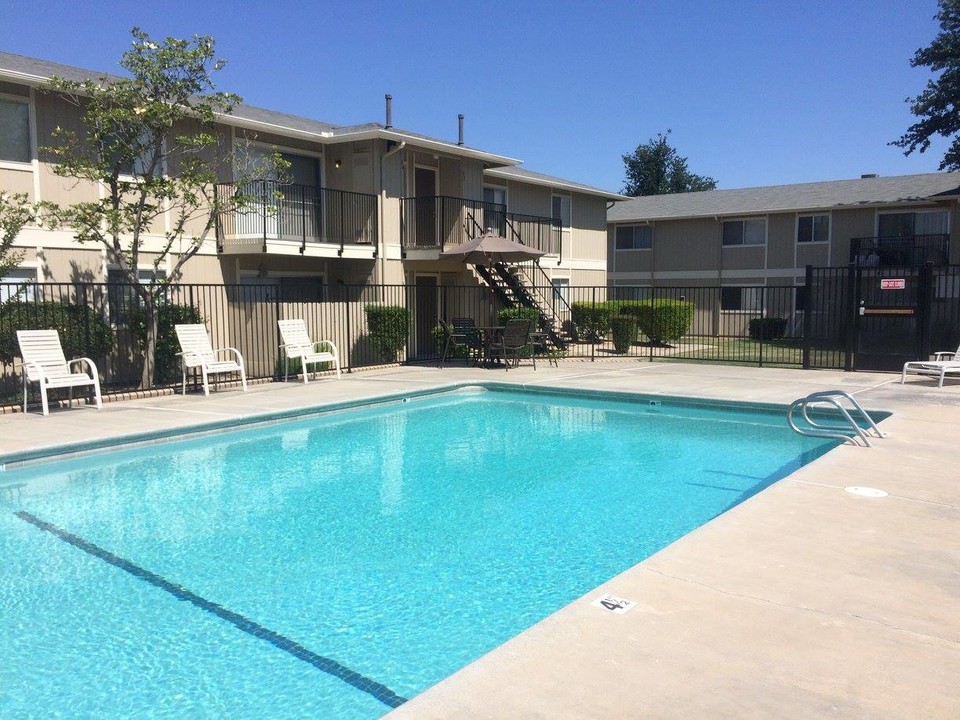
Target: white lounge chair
{"x": 44, "y": 363}
{"x": 946, "y": 362}
{"x": 197, "y": 352}
{"x": 298, "y": 345}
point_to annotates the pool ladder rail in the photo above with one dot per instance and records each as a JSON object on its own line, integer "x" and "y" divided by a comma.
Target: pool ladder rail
{"x": 850, "y": 431}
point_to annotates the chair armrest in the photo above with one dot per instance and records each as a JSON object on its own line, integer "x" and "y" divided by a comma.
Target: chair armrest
{"x": 320, "y": 343}
{"x": 90, "y": 366}
{"x": 33, "y": 369}
{"x": 944, "y": 355}
{"x": 228, "y": 350}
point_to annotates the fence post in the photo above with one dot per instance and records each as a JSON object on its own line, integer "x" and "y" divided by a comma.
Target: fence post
{"x": 925, "y": 309}
{"x": 807, "y": 318}
{"x": 593, "y": 310}
{"x": 346, "y": 309}
{"x": 853, "y": 317}
{"x": 763, "y": 327}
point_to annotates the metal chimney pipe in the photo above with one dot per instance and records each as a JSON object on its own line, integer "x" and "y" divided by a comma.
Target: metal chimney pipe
{"x": 460, "y": 133}
{"x": 389, "y": 99}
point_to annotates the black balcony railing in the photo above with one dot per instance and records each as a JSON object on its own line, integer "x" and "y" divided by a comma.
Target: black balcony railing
{"x": 269, "y": 210}
{"x": 437, "y": 222}
{"x": 912, "y": 250}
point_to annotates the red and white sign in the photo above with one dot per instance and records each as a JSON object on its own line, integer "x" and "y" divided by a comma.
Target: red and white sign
{"x": 893, "y": 284}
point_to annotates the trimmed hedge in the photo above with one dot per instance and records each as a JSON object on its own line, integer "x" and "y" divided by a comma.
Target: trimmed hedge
{"x": 665, "y": 321}
{"x": 525, "y": 313}
{"x": 624, "y": 331}
{"x": 83, "y": 331}
{"x": 388, "y": 326}
{"x": 767, "y": 328}
{"x": 661, "y": 321}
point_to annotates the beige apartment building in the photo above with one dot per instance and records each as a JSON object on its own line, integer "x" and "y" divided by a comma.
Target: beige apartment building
{"x": 365, "y": 204}
{"x": 766, "y": 236}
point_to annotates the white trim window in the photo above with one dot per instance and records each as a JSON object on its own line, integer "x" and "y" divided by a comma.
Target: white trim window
{"x": 562, "y": 210}
{"x": 634, "y": 237}
{"x": 14, "y": 283}
{"x": 561, "y": 288}
{"x": 813, "y": 228}
{"x": 121, "y": 297}
{"x": 744, "y": 232}
{"x": 913, "y": 223}
{"x": 15, "y": 129}
{"x": 741, "y": 299}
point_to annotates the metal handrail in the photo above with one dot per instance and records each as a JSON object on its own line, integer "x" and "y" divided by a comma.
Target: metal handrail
{"x": 833, "y": 397}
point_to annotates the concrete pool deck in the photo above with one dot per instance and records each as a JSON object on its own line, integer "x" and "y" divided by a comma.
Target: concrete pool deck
{"x": 804, "y": 601}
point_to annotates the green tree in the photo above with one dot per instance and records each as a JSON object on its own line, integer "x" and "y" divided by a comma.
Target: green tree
{"x": 938, "y": 106}
{"x": 655, "y": 168}
{"x": 16, "y": 211}
{"x": 149, "y": 140}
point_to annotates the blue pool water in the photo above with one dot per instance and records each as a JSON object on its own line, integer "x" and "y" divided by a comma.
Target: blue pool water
{"x": 335, "y": 565}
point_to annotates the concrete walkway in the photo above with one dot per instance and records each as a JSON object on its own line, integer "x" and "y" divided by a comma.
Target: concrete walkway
{"x": 805, "y": 601}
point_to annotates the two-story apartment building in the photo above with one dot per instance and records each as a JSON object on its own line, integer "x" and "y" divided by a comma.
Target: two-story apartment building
{"x": 768, "y": 235}
{"x": 362, "y": 204}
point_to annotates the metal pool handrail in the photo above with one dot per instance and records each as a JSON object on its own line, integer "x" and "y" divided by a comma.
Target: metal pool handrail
{"x": 834, "y": 398}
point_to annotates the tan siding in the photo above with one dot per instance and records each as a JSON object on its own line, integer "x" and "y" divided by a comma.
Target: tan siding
{"x": 743, "y": 257}
{"x": 847, "y": 224}
{"x": 781, "y": 240}
{"x": 690, "y": 245}
{"x": 529, "y": 199}
{"x": 284, "y": 142}
{"x": 816, "y": 254}
{"x": 12, "y": 89}
{"x": 588, "y": 235}
{"x": 74, "y": 265}
{"x": 17, "y": 181}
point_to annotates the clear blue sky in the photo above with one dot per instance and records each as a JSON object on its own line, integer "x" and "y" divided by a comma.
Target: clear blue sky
{"x": 755, "y": 92}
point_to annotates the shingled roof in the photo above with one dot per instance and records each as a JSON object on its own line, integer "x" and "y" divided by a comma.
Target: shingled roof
{"x": 805, "y": 197}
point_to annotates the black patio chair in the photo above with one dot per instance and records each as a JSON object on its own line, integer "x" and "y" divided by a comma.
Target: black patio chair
{"x": 461, "y": 333}
{"x": 512, "y": 343}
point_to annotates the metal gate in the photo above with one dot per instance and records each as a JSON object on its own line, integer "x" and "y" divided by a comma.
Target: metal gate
{"x": 877, "y": 318}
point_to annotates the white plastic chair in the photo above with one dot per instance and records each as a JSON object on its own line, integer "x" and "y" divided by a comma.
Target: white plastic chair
{"x": 945, "y": 362}
{"x": 44, "y": 363}
{"x": 197, "y": 352}
{"x": 298, "y": 345}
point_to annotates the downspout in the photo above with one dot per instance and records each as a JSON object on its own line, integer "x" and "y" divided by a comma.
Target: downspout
{"x": 383, "y": 198}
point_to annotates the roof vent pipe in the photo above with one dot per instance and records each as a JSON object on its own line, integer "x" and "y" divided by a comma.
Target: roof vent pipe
{"x": 389, "y": 99}
{"x": 460, "y": 132}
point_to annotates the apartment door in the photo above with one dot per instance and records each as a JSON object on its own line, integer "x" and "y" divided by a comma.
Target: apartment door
{"x": 425, "y": 191}
{"x": 426, "y": 314}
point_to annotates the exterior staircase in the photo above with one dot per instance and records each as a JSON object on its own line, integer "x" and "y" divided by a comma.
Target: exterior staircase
{"x": 514, "y": 287}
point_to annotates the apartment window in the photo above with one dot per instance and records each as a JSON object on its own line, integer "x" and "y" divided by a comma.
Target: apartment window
{"x": 912, "y": 224}
{"x": 748, "y": 299}
{"x": 561, "y": 288}
{"x": 14, "y": 130}
{"x": 813, "y": 228}
{"x": 744, "y": 232}
{"x": 561, "y": 210}
{"x": 122, "y": 299}
{"x": 14, "y": 284}
{"x": 634, "y": 237}
{"x": 800, "y": 298}
{"x": 282, "y": 288}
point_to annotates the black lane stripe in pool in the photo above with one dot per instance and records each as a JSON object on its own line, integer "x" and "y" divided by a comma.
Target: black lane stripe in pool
{"x": 331, "y": 667}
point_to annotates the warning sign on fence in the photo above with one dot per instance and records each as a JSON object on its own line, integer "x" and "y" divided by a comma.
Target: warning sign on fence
{"x": 893, "y": 283}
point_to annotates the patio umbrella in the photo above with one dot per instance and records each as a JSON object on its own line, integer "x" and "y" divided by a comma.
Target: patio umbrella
{"x": 490, "y": 249}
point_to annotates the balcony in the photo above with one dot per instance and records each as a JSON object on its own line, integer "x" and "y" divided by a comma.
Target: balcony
{"x": 439, "y": 222}
{"x": 288, "y": 218}
{"x": 911, "y": 250}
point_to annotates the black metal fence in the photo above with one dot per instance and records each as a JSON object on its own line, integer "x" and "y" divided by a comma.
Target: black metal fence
{"x": 106, "y": 323}
{"x": 303, "y": 213}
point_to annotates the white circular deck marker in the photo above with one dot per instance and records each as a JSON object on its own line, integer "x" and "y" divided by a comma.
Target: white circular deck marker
{"x": 866, "y": 492}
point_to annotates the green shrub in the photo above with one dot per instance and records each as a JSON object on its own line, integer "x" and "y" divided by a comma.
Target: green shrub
{"x": 624, "y": 331}
{"x": 83, "y": 331}
{"x": 767, "y": 328}
{"x": 664, "y": 321}
{"x": 166, "y": 362}
{"x": 525, "y": 313}
{"x": 591, "y": 320}
{"x": 388, "y": 326}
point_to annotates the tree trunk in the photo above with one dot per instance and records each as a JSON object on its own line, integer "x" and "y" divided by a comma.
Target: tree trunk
{"x": 150, "y": 352}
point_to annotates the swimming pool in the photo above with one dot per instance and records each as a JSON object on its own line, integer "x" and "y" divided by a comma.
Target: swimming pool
{"x": 335, "y": 565}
